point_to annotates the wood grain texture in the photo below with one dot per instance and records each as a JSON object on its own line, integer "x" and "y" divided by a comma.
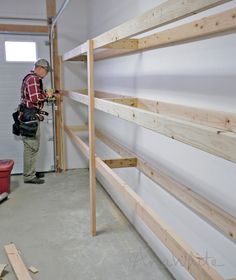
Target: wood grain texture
{"x": 121, "y": 162}
{"x": 206, "y": 27}
{"x": 92, "y": 164}
{"x": 16, "y": 262}
{"x": 23, "y": 28}
{"x": 215, "y": 141}
{"x": 167, "y": 12}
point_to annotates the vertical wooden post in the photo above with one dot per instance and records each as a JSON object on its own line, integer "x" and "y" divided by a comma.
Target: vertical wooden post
{"x": 60, "y": 122}
{"x": 51, "y": 12}
{"x": 92, "y": 164}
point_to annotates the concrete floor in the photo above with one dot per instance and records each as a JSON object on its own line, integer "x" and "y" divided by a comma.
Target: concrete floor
{"x": 49, "y": 224}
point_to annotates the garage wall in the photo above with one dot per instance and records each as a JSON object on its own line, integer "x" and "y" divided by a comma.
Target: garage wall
{"x": 200, "y": 74}
{"x": 70, "y": 34}
{"x": 27, "y": 9}
{"x": 10, "y": 83}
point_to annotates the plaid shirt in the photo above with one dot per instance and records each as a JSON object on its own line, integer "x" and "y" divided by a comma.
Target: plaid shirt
{"x": 32, "y": 94}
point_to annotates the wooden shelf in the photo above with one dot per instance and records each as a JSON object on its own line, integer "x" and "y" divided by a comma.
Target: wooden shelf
{"x": 216, "y": 141}
{"x": 180, "y": 249}
{"x": 208, "y": 26}
{"x": 197, "y": 203}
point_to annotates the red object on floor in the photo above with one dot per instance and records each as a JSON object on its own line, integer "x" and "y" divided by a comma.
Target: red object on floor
{"x": 6, "y": 166}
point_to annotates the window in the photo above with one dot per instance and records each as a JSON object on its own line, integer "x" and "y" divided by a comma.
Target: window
{"x": 20, "y": 51}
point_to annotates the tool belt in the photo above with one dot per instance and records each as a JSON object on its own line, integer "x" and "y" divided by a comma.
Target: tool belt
{"x": 27, "y": 121}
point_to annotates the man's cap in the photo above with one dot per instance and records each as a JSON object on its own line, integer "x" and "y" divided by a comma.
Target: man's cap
{"x": 42, "y": 63}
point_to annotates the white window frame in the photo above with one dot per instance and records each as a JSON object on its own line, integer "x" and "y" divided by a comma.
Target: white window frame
{"x": 20, "y": 61}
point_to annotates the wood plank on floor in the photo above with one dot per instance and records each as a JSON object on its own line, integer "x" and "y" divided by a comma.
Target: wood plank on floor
{"x": 17, "y": 263}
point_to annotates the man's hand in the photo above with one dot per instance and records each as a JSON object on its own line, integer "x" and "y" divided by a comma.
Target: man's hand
{"x": 50, "y": 92}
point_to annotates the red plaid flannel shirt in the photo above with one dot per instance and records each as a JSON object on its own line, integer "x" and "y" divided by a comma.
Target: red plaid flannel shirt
{"x": 32, "y": 94}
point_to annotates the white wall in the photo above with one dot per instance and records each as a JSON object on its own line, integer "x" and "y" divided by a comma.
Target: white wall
{"x": 198, "y": 74}
{"x": 23, "y": 8}
{"x": 10, "y": 83}
{"x": 72, "y": 30}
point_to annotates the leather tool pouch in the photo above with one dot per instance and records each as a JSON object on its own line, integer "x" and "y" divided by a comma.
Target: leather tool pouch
{"x": 29, "y": 121}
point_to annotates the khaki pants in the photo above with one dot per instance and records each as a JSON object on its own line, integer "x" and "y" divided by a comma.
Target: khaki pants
{"x": 31, "y": 148}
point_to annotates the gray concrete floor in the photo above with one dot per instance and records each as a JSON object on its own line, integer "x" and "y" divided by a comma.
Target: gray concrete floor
{"x": 49, "y": 224}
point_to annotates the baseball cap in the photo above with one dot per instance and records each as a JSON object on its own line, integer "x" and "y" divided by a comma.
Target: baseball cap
{"x": 42, "y": 63}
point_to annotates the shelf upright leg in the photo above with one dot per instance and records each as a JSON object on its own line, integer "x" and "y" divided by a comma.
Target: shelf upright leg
{"x": 57, "y": 122}
{"x": 92, "y": 164}
{"x": 62, "y": 162}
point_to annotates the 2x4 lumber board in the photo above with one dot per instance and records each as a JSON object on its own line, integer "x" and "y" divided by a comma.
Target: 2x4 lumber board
{"x": 219, "y": 218}
{"x": 56, "y": 76}
{"x": 124, "y": 100}
{"x": 102, "y": 94}
{"x": 208, "y": 26}
{"x": 83, "y": 147}
{"x": 217, "y": 142}
{"x": 23, "y": 28}
{"x": 206, "y": 117}
{"x": 132, "y": 44}
{"x": 92, "y": 164}
{"x": 82, "y": 58}
{"x": 192, "y": 261}
{"x": 16, "y": 262}
{"x": 211, "y": 25}
{"x": 110, "y": 53}
{"x": 169, "y": 11}
{"x": 76, "y": 96}
{"x": 59, "y": 122}
{"x": 78, "y": 127}
{"x": 202, "y": 206}
{"x": 212, "y": 118}
{"x": 51, "y": 8}
{"x": 62, "y": 121}
{"x": 78, "y": 51}
{"x": 121, "y": 162}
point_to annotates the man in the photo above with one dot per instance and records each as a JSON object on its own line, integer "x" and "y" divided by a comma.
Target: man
{"x": 33, "y": 97}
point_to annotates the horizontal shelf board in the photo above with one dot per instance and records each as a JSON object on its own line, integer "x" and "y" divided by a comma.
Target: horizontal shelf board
{"x": 167, "y": 12}
{"x": 209, "y": 26}
{"x": 217, "y": 142}
{"x": 202, "y": 206}
{"x": 76, "y": 54}
{"x": 170, "y": 11}
{"x": 212, "y": 118}
{"x": 180, "y": 249}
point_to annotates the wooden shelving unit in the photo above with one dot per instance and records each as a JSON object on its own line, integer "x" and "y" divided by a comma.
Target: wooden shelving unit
{"x": 211, "y": 131}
